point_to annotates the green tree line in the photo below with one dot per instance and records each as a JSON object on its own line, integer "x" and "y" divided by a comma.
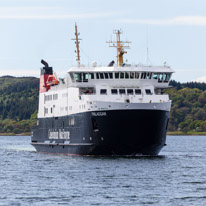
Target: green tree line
{"x": 19, "y": 104}
{"x": 188, "y": 111}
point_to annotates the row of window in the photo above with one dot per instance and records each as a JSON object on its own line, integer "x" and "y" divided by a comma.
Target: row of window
{"x": 125, "y": 91}
{"x": 50, "y": 97}
{"x": 84, "y": 77}
{"x": 55, "y": 96}
{"x": 62, "y": 109}
{"x": 46, "y": 110}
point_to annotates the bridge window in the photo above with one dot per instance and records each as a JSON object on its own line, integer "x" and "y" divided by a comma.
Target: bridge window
{"x": 91, "y": 76}
{"x": 130, "y": 91}
{"x": 101, "y": 76}
{"x": 110, "y": 75}
{"x": 160, "y": 77}
{"x": 103, "y": 91}
{"x": 167, "y": 77}
{"x": 85, "y": 77}
{"x": 126, "y": 75}
{"x": 114, "y": 91}
{"x": 138, "y": 91}
{"x": 155, "y": 76}
{"x": 78, "y": 77}
{"x": 97, "y": 75}
{"x": 131, "y": 75}
{"x": 143, "y": 75}
{"x": 149, "y": 75}
{"x": 136, "y": 75}
{"x": 164, "y": 77}
{"x": 106, "y": 75}
{"x": 72, "y": 76}
{"x": 122, "y": 91}
{"x": 148, "y": 91}
{"x": 121, "y": 75}
{"x": 146, "y": 75}
{"x": 116, "y": 75}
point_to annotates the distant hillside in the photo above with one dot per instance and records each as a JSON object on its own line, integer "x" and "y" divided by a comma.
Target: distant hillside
{"x": 18, "y": 103}
{"x": 191, "y": 85}
{"x": 188, "y": 113}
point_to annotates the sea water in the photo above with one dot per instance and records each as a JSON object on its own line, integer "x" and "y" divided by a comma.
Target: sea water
{"x": 176, "y": 177}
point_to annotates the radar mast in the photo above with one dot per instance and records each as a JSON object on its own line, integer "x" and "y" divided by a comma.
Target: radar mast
{"x": 120, "y": 45}
{"x": 77, "y": 45}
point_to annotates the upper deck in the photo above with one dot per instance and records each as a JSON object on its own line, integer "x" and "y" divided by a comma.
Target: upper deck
{"x": 119, "y": 75}
{"x": 128, "y": 76}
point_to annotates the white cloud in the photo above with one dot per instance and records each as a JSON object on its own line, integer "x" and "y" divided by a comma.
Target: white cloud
{"x": 19, "y": 72}
{"x": 26, "y": 72}
{"x": 200, "y": 79}
{"x": 190, "y": 70}
{"x": 179, "y": 20}
{"x": 49, "y": 13}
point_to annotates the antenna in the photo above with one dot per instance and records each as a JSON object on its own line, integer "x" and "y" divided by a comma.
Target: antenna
{"x": 77, "y": 45}
{"x": 148, "y": 59}
{"x": 120, "y": 45}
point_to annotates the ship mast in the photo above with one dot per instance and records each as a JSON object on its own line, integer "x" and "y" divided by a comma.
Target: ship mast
{"x": 120, "y": 45}
{"x": 77, "y": 45}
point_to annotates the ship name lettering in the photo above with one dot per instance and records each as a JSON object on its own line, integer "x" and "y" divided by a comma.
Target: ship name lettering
{"x": 99, "y": 114}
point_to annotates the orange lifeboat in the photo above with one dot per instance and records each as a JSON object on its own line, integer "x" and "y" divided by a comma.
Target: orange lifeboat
{"x": 52, "y": 80}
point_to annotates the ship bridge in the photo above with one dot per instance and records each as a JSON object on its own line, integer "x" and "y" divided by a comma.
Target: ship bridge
{"x": 133, "y": 76}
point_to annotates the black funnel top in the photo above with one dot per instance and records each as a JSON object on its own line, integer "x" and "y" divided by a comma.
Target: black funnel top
{"x": 44, "y": 63}
{"x": 46, "y": 69}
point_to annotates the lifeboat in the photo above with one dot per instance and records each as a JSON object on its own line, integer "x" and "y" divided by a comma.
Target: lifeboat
{"x": 52, "y": 80}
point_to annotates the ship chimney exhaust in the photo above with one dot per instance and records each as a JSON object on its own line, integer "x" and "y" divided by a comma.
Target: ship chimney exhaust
{"x": 46, "y": 74}
{"x": 44, "y": 63}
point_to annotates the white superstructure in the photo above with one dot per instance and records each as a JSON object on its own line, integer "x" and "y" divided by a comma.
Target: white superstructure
{"x": 106, "y": 88}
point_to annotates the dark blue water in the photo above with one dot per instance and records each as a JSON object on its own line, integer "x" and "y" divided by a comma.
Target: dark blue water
{"x": 176, "y": 177}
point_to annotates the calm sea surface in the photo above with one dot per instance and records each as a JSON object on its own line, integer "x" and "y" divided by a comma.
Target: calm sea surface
{"x": 176, "y": 177}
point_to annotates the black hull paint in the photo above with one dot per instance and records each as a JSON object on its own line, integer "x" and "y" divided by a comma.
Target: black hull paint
{"x": 116, "y": 132}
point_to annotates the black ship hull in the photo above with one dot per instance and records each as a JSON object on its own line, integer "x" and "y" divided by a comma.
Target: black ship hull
{"x": 114, "y": 132}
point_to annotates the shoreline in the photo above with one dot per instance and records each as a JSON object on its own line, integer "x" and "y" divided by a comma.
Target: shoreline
{"x": 13, "y": 134}
{"x": 190, "y": 133}
{"x": 174, "y": 133}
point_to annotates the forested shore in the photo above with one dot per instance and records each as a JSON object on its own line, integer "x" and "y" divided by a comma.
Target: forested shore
{"x": 19, "y": 104}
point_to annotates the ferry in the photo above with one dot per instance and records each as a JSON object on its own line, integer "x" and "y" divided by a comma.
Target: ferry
{"x": 119, "y": 109}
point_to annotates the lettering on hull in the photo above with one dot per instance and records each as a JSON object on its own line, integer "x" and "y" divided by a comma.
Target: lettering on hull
{"x": 99, "y": 114}
{"x": 59, "y": 135}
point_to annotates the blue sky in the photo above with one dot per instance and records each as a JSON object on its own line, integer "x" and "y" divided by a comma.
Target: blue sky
{"x": 174, "y": 30}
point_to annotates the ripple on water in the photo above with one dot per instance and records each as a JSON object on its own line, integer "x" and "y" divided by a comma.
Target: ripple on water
{"x": 176, "y": 177}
